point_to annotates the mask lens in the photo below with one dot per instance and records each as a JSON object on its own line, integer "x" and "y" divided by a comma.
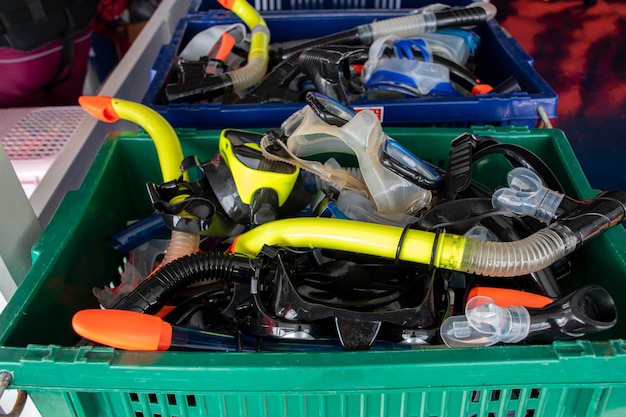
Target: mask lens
{"x": 329, "y": 110}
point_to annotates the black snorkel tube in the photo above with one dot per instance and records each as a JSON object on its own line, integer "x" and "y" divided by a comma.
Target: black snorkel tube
{"x": 589, "y": 309}
{"x": 403, "y": 27}
{"x": 274, "y": 87}
{"x": 330, "y": 70}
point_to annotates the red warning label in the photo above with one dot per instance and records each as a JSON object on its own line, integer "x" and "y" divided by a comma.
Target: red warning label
{"x": 378, "y": 111}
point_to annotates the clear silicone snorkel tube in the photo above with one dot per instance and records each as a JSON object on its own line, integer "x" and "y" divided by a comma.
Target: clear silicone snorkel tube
{"x": 431, "y": 19}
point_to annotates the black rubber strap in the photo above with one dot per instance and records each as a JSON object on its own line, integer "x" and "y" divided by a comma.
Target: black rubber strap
{"x": 459, "y": 174}
{"x": 433, "y": 254}
{"x": 400, "y": 242}
{"x": 522, "y": 157}
{"x": 64, "y": 69}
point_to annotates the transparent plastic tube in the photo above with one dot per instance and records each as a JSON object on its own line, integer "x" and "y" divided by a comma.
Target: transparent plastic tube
{"x": 258, "y": 59}
{"x": 181, "y": 244}
{"x": 413, "y": 25}
{"x": 402, "y": 27}
{"x": 258, "y": 55}
{"x": 249, "y": 75}
{"x": 509, "y": 259}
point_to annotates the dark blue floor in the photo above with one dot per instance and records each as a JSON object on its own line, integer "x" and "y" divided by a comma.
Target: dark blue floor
{"x": 580, "y": 50}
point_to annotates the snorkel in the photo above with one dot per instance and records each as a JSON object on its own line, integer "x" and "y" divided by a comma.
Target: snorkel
{"x": 110, "y": 110}
{"x": 589, "y": 309}
{"x": 236, "y": 80}
{"x": 404, "y": 27}
{"x": 167, "y": 144}
{"x": 443, "y": 250}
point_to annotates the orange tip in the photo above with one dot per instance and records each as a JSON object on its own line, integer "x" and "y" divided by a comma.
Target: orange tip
{"x": 227, "y": 4}
{"x": 231, "y": 248}
{"x": 481, "y": 89}
{"x": 100, "y": 107}
{"x": 505, "y": 297}
{"x": 226, "y": 45}
{"x": 358, "y": 68}
{"x": 123, "y": 329}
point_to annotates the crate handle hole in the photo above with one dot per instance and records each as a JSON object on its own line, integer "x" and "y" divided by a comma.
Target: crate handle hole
{"x": 515, "y": 393}
{"x": 495, "y": 395}
{"x": 475, "y": 396}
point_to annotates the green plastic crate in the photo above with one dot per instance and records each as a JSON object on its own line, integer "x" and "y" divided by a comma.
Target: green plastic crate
{"x": 573, "y": 378}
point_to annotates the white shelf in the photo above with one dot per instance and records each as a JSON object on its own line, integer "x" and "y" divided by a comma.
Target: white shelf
{"x": 22, "y": 219}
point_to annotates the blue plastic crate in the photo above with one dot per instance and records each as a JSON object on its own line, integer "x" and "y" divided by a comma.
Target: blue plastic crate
{"x": 498, "y": 58}
{"x": 206, "y": 5}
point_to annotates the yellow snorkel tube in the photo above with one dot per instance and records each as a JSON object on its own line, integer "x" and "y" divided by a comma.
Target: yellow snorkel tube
{"x": 241, "y": 78}
{"x": 110, "y": 110}
{"x": 440, "y": 250}
{"x": 167, "y": 144}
